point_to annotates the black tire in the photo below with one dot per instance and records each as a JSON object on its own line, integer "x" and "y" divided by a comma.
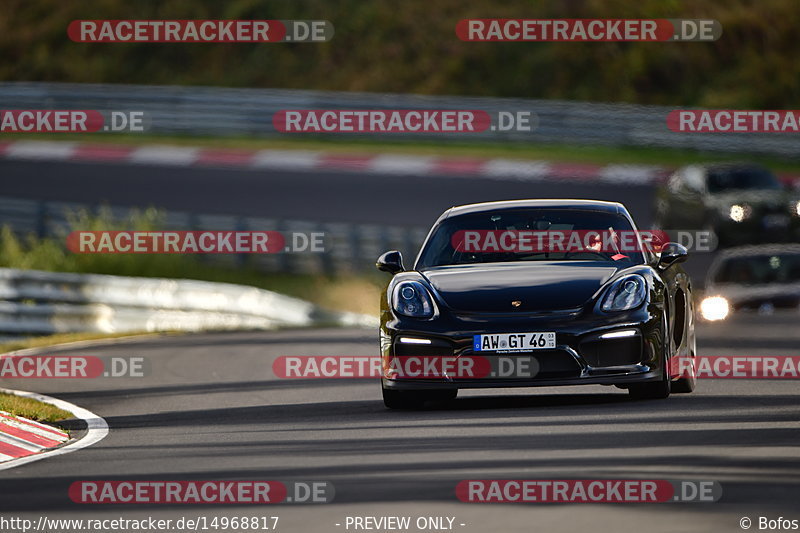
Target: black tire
{"x": 651, "y": 390}
{"x": 403, "y": 399}
{"x": 687, "y": 384}
{"x": 683, "y": 385}
{"x": 655, "y": 390}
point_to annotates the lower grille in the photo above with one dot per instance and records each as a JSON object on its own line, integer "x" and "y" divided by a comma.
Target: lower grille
{"x": 612, "y": 352}
{"x": 556, "y": 364}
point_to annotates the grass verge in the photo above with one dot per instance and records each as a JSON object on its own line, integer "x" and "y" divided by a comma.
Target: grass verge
{"x": 600, "y": 155}
{"x": 32, "y": 409}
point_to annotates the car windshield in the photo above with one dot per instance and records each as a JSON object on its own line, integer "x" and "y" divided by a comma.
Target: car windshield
{"x": 532, "y": 234}
{"x": 760, "y": 269}
{"x": 720, "y": 180}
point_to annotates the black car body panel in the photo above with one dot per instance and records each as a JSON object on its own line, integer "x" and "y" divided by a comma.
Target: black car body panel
{"x": 467, "y": 289}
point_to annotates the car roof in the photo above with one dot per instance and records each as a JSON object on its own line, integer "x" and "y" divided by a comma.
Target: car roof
{"x": 584, "y": 205}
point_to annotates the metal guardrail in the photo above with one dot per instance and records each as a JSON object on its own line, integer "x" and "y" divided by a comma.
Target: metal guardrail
{"x": 38, "y": 303}
{"x": 248, "y": 112}
{"x": 347, "y": 247}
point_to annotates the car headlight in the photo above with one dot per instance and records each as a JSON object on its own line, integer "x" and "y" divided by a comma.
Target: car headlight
{"x": 795, "y": 207}
{"x": 714, "y": 308}
{"x": 626, "y": 293}
{"x": 740, "y": 213}
{"x": 411, "y": 298}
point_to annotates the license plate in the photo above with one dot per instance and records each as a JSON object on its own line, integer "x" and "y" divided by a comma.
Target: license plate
{"x": 514, "y": 342}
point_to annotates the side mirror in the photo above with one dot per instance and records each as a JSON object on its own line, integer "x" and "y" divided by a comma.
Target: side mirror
{"x": 391, "y": 262}
{"x": 672, "y": 253}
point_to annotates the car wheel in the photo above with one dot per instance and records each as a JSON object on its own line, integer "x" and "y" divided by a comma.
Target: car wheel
{"x": 686, "y": 384}
{"x": 403, "y": 399}
{"x": 652, "y": 390}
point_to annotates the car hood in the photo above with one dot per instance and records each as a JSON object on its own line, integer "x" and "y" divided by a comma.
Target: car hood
{"x": 539, "y": 286}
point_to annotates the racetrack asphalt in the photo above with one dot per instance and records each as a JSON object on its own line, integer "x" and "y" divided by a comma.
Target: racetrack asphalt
{"x": 211, "y": 409}
{"x": 324, "y": 196}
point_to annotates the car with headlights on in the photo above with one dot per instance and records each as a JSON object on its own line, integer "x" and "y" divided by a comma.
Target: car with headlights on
{"x": 753, "y": 280}
{"x": 567, "y": 286}
{"x": 741, "y": 203}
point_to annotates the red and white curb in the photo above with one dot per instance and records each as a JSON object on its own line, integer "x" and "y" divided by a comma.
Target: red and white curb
{"x": 308, "y": 160}
{"x": 20, "y": 437}
{"x": 23, "y": 441}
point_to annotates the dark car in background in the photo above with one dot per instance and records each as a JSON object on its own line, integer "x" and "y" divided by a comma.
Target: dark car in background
{"x": 593, "y": 315}
{"x": 741, "y": 203}
{"x": 750, "y": 280}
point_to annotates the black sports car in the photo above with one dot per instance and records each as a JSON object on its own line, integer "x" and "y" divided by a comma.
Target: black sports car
{"x": 741, "y": 203}
{"x": 566, "y": 287}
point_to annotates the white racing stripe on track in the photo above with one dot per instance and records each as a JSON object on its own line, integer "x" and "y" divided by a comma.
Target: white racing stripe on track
{"x": 36, "y": 429}
{"x": 520, "y": 170}
{"x": 400, "y": 164}
{"x": 40, "y": 150}
{"x": 97, "y": 429}
{"x": 165, "y": 155}
{"x": 39, "y": 425}
{"x": 641, "y": 174}
{"x": 302, "y": 159}
{"x": 20, "y": 443}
